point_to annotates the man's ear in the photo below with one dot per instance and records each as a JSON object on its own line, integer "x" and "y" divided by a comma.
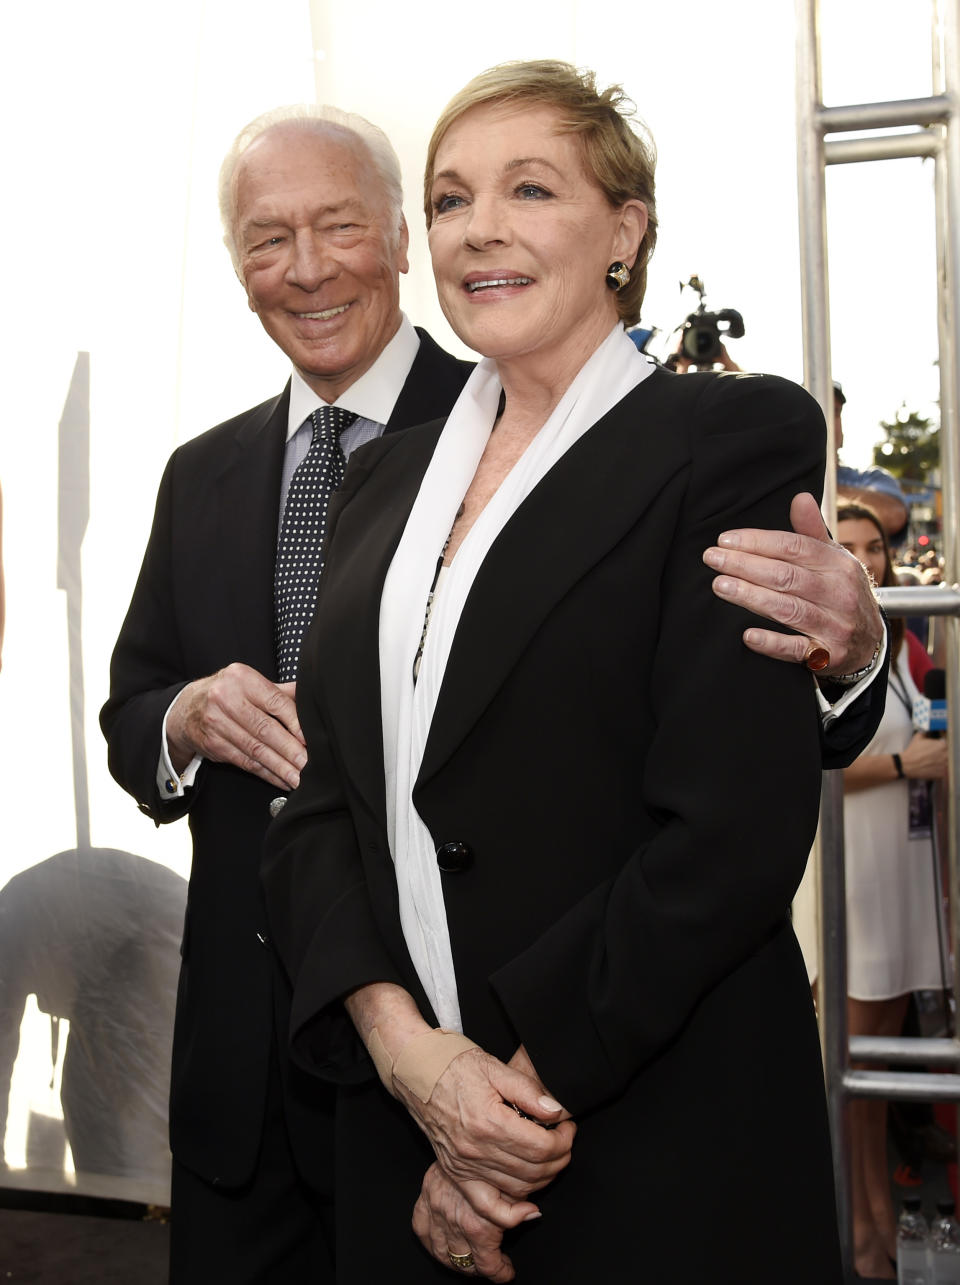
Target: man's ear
{"x": 403, "y": 245}
{"x": 239, "y": 275}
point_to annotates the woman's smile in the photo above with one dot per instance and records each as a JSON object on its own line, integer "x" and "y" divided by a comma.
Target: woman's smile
{"x": 520, "y": 228}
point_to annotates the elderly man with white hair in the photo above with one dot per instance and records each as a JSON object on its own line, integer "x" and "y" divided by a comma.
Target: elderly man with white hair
{"x": 202, "y": 718}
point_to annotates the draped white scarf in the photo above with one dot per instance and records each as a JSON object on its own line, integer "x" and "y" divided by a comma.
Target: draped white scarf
{"x": 613, "y": 370}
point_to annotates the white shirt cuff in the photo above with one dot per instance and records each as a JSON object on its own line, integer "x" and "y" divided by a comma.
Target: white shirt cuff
{"x": 169, "y": 784}
{"x": 830, "y": 713}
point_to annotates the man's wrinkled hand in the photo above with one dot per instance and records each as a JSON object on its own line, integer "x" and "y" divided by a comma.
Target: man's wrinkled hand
{"x": 237, "y": 716}
{"x": 804, "y": 580}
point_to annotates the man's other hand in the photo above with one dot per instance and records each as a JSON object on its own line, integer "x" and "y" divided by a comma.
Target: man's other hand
{"x": 237, "y": 716}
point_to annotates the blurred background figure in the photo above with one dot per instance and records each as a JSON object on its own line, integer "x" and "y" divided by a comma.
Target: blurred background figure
{"x": 94, "y": 934}
{"x": 873, "y": 486}
{"x": 893, "y": 938}
{"x": 917, "y": 629}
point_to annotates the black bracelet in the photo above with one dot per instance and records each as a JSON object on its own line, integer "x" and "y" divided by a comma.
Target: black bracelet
{"x": 898, "y": 764}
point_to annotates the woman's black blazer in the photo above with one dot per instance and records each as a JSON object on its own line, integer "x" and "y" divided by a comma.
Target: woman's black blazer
{"x": 631, "y": 795}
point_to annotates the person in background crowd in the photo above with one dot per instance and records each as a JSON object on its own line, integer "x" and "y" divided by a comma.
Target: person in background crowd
{"x": 931, "y": 569}
{"x": 913, "y": 1125}
{"x": 873, "y": 486}
{"x": 917, "y": 628}
{"x": 892, "y": 910}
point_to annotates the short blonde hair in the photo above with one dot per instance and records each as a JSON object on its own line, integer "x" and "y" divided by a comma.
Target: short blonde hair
{"x": 617, "y": 147}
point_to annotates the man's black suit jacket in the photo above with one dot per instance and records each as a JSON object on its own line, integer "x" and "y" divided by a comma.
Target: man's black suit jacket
{"x": 204, "y": 599}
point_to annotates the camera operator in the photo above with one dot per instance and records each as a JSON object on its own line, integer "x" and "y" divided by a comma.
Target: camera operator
{"x": 700, "y": 345}
{"x": 681, "y": 363}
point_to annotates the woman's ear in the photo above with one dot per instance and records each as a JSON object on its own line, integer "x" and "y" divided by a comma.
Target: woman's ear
{"x": 630, "y": 232}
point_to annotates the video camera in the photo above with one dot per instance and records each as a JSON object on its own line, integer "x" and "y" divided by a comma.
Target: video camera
{"x": 703, "y": 332}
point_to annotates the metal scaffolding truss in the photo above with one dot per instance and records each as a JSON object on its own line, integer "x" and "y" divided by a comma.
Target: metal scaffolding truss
{"x": 933, "y": 126}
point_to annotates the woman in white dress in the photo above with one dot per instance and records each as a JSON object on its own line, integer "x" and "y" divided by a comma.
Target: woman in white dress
{"x": 892, "y": 936}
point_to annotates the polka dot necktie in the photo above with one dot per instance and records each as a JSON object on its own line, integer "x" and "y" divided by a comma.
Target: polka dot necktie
{"x": 304, "y": 525}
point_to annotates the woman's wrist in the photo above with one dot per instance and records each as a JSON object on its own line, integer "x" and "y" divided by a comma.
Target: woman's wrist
{"x": 870, "y": 771}
{"x": 401, "y": 1044}
{"x": 421, "y": 1062}
{"x": 390, "y": 1011}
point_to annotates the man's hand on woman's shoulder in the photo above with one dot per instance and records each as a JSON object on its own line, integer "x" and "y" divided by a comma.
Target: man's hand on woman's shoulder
{"x": 802, "y": 579}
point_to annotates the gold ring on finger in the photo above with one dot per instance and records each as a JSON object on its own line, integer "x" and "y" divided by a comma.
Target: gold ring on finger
{"x": 463, "y": 1262}
{"x": 816, "y": 657}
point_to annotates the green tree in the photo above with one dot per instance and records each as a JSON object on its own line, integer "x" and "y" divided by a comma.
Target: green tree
{"x": 912, "y": 448}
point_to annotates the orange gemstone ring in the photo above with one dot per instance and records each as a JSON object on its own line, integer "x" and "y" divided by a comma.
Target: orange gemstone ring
{"x": 817, "y": 658}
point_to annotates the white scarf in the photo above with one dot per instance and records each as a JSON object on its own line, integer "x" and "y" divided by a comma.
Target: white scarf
{"x": 613, "y": 370}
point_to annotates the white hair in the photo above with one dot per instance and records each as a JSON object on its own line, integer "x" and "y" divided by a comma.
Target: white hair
{"x": 315, "y": 118}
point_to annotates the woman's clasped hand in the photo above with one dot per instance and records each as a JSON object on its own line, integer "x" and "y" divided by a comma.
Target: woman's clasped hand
{"x": 478, "y": 1135}
{"x": 489, "y": 1158}
{"x": 497, "y": 1134}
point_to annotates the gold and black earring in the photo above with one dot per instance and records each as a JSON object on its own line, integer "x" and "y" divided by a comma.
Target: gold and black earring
{"x": 618, "y": 275}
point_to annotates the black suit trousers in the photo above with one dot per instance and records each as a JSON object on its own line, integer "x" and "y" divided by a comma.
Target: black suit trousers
{"x": 274, "y": 1230}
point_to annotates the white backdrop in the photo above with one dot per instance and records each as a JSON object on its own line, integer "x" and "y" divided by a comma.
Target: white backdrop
{"x": 116, "y": 119}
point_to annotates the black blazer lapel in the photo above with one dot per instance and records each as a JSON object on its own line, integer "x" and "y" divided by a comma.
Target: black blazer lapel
{"x": 587, "y": 502}
{"x": 247, "y": 494}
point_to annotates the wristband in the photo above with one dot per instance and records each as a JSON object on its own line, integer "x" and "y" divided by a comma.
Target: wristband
{"x": 421, "y": 1061}
{"x": 898, "y": 764}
